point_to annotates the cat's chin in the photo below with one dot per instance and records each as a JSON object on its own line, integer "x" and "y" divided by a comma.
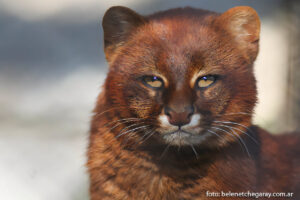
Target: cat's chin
{"x": 182, "y": 138}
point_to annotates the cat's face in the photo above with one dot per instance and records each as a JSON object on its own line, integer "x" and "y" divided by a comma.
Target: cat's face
{"x": 189, "y": 81}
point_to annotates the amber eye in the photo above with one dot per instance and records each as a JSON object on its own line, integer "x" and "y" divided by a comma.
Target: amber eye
{"x": 153, "y": 82}
{"x": 205, "y": 81}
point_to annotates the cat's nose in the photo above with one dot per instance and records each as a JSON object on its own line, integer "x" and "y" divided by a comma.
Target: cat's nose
{"x": 179, "y": 118}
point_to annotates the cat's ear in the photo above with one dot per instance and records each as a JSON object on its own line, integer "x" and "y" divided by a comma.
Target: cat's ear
{"x": 118, "y": 23}
{"x": 243, "y": 24}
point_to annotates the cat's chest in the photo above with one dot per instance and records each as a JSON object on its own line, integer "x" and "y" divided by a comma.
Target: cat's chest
{"x": 143, "y": 180}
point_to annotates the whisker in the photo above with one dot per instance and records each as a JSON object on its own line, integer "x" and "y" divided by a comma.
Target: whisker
{"x": 245, "y": 113}
{"x": 145, "y": 134}
{"x": 130, "y": 135}
{"x": 127, "y": 127}
{"x": 165, "y": 151}
{"x": 180, "y": 138}
{"x": 228, "y": 133}
{"x": 150, "y": 134}
{"x": 235, "y": 123}
{"x": 237, "y": 113}
{"x": 125, "y": 119}
{"x": 131, "y": 130}
{"x": 116, "y": 125}
{"x": 194, "y": 150}
{"x": 238, "y": 136}
{"x": 214, "y": 133}
{"x": 110, "y": 109}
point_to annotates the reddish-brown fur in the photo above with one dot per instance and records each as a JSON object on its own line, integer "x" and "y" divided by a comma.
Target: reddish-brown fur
{"x": 176, "y": 44}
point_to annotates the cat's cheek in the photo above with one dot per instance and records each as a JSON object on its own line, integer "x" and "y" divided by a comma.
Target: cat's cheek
{"x": 140, "y": 108}
{"x": 212, "y": 101}
{"x": 211, "y": 93}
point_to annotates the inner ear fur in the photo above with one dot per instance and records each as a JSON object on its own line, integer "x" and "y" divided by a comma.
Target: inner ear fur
{"x": 243, "y": 24}
{"x": 118, "y": 23}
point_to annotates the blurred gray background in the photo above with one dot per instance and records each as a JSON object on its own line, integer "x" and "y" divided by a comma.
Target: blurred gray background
{"x": 52, "y": 66}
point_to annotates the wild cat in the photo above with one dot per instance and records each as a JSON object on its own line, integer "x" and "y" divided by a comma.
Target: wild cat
{"x": 173, "y": 120}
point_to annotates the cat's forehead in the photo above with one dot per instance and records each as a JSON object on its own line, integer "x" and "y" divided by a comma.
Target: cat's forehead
{"x": 182, "y": 47}
{"x": 181, "y": 33}
{"x": 184, "y": 40}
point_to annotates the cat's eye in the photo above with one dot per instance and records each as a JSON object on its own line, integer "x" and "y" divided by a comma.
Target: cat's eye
{"x": 205, "y": 81}
{"x": 153, "y": 82}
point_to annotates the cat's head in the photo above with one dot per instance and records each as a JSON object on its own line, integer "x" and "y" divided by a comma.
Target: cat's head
{"x": 185, "y": 74}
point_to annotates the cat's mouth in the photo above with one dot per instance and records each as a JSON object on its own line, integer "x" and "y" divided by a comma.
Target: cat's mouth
{"x": 181, "y": 137}
{"x": 180, "y": 132}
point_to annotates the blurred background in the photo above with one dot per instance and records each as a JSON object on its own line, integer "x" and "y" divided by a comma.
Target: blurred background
{"x": 52, "y": 66}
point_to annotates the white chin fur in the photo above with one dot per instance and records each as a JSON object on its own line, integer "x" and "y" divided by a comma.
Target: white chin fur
{"x": 187, "y": 135}
{"x": 180, "y": 138}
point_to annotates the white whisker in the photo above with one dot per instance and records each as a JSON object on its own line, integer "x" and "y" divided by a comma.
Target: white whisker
{"x": 238, "y": 136}
{"x": 227, "y": 133}
{"x": 194, "y": 150}
{"x": 214, "y": 133}
{"x": 131, "y": 130}
{"x": 150, "y": 134}
{"x": 235, "y": 123}
{"x": 237, "y": 113}
{"x": 121, "y": 120}
{"x": 165, "y": 151}
{"x": 110, "y": 109}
